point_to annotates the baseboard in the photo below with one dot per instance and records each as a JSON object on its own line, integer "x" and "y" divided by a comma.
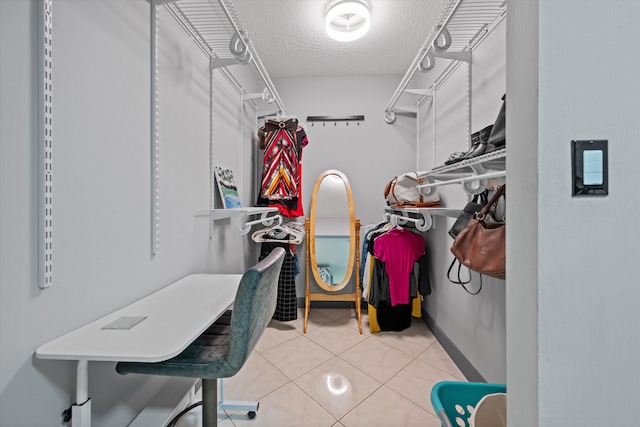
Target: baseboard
{"x": 467, "y": 369}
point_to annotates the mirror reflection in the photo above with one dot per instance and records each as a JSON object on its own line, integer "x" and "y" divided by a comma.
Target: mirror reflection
{"x": 332, "y": 230}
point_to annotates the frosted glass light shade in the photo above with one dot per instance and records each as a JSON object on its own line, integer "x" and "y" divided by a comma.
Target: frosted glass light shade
{"x": 347, "y": 21}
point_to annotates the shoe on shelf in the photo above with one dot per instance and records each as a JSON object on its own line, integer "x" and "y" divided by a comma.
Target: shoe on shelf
{"x": 478, "y": 143}
{"x": 478, "y": 147}
{"x": 455, "y": 158}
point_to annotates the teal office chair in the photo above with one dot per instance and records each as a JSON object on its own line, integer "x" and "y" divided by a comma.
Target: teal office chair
{"x": 223, "y": 349}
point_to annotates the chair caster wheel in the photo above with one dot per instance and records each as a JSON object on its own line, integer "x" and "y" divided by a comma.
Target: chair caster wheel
{"x": 251, "y": 414}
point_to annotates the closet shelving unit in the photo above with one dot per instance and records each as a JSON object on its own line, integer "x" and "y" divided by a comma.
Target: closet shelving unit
{"x": 240, "y": 217}
{"x": 217, "y": 30}
{"x": 213, "y": 24}
{"x": 450, "y": 42}
{"x": 474, "y": 174}
{"x": 419, "y": 218}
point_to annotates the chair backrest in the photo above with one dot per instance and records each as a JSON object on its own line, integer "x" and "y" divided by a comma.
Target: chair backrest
{"x": 254, "y": 306}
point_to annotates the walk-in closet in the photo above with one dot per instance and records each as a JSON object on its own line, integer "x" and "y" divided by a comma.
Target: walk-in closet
{"x": 162, "y": 163}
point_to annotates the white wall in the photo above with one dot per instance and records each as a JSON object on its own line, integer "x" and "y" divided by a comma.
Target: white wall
{"x": 576, "y": 265}
{"x": 102, "y": 181}
{"x": 475, "y": 324}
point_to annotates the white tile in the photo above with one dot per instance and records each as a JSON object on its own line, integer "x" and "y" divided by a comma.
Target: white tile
{"x": 288, "y": 374}
{"x": 319, "y": 317}
{"x": 256, "y": 379}
{"x": 416, "y": 380}
{"x": 376, "y": 358}
{"x": 277, "y": 333}
{"x": 337, "y": 386}
{"x": 335, "y": 336}
{"x": 351, "y": 321}
{"x": 287, "y": 406}
{"x": 385, "y": 407}
{"x": 413, "y": 340}
{"x": 436, "y": 356}
{"x": 297, "y": 356}
{"x": 333, "y": 313}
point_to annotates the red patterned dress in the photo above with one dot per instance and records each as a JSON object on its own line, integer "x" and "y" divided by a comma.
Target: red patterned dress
{"x": 282, "y": 142}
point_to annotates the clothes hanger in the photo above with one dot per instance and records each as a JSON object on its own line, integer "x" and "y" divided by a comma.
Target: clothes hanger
{"x": 277, "y": 233}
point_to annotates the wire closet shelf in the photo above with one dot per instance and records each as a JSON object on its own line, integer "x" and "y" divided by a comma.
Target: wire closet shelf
{"x": 214, "y": 25}
{"x": 459, "y": 28}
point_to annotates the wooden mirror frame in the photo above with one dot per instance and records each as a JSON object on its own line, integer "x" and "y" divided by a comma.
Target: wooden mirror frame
{"x": 354, "y": 255}
{"x": 312, "y": 235}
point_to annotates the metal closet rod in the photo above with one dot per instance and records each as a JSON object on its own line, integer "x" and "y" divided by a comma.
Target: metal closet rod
{"x": 229, "y": 10}
{"x": 490, "y": 175}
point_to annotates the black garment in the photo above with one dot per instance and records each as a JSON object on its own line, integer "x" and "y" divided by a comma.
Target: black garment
{"x": 379, "y": 285}
{"x": 393, "y": 318}
{"x": 424, "y": 285}
{"x": 287, "y": 305}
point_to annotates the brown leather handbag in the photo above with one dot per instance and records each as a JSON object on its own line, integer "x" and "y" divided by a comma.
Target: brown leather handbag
{"x": 481, "y": 245}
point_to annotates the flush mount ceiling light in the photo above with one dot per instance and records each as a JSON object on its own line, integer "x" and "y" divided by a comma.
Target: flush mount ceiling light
{"x": 347, "y": 21}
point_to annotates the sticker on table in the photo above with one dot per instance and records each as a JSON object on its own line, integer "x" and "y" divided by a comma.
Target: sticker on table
{"x": 126, "y": 322}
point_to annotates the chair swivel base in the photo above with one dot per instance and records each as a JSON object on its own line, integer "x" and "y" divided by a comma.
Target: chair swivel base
{"x": 237, "y": 405}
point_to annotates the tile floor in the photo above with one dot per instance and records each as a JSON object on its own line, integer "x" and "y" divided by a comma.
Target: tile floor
{"x": 334, "y": 377}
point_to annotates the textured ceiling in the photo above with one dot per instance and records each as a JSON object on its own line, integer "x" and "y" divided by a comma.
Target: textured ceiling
{"x": 290, "y": 39}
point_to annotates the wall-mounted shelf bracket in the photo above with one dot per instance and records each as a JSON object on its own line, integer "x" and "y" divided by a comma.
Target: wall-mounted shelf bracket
{"x": 420, "y": 218}
{"x": 239, "y": 217}
{"x": 223, "y": 62}
{"x": 265, "y": 95}
{"x": 463, "y": 56}
{"x": 422, "y": 92}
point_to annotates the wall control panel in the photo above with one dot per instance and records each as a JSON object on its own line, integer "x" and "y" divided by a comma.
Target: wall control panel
{"x": 589, "y": 166}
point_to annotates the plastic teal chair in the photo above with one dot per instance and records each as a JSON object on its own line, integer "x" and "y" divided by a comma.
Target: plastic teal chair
{"x": 222, "y": 350}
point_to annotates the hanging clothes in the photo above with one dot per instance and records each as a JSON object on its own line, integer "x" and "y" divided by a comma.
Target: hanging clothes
{"x": 301, "y": 141}
{"x": 281, "y": 184}
{"x": 383, "y": 316}
{"x": 399, "y": 249}
{"x": 287, "y": 304}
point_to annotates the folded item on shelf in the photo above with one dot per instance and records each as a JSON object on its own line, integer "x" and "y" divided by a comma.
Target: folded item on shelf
{"x": 403, "y": 191}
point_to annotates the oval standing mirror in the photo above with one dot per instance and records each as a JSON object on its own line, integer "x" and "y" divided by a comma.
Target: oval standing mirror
{"x": 332, "y": 241}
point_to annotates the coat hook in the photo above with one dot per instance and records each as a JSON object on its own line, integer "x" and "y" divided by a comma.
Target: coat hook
{"x": 347, "y": 123}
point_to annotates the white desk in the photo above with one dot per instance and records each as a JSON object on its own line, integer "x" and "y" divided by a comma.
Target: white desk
{"x": 174, "y": 317}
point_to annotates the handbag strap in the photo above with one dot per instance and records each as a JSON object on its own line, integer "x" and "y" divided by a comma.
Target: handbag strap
{"x": 459, "y": 281}
{"x": 494, "y": 201}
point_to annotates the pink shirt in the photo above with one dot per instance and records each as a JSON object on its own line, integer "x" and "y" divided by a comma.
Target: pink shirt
{"x": 399, "y": 249}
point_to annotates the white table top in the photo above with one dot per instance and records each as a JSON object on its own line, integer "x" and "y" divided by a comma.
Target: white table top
{"x": 175, "y": 316}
